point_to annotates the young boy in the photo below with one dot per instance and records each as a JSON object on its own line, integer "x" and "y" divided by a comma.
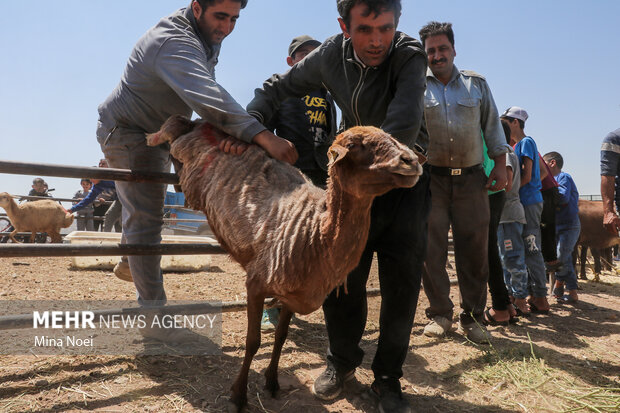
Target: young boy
{"x": 567, "y": 229}
{"x": 510, "y": 236}
{"x": 532, "y": 201}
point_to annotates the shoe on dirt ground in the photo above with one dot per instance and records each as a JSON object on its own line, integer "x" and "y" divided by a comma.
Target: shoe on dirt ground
{"x": 475, "y": 332}
{"x": 270, "y": 319}
{"x": 122, "y": 271}
{"x": 330, "y": 383}
{"x": 438, "y": 327}
{"x": 390, "y": 396}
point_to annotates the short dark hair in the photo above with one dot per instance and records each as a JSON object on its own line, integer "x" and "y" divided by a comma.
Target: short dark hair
{"x": 559, "y": 161}
{"x": 374, "y": 6}
{"x": 38, "y": 181}
{"x": 510, "y": 119}
{"x": 206, "y": 3}
{"x": 435, "y": 29}
{"x": 506, "y": 128}
{"x": 86, "y": 180}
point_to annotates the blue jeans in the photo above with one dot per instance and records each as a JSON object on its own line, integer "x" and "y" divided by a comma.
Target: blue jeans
{"x": 143, "y": 205}
{"x": 533, "y": 255}
{"x": 512, "y": 251}
{"x": 567, "y": 235}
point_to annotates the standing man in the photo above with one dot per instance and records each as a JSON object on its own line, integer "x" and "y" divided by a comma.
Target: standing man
{"x": 531, "y": 198}
{"x": 458, "y": 105}
{"x": 610, "y": 168}
{"x": 310, "y": 124}
{"x": 376, "y": 75}
{"x": 171, "y": 71}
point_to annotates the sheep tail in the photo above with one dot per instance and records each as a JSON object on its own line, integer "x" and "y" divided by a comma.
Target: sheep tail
{"x": 68, "y": 220}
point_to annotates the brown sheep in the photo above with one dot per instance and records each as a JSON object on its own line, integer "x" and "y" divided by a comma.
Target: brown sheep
{"x": 296, "y": 241}
{"x": 41, "y": 216}
{"x": 593, "y": 235}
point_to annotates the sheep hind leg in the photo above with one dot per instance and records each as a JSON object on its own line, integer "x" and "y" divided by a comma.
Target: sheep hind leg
{"x": 271, "y": 374}
{"x": 252, "y": 343}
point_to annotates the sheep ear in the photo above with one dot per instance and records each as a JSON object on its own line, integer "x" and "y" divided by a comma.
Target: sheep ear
{"x": 336, "y": 153}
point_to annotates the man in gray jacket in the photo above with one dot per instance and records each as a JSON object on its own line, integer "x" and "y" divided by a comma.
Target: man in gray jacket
{"x": 171, "y": 71}
{"x": 376, "y": 75}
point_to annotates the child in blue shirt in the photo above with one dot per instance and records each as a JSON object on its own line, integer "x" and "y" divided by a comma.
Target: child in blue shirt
{"x": 531, "y": 198}
{"x": 567, "y": 227}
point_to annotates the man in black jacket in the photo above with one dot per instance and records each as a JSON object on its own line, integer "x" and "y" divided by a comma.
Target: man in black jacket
{"x": 376, "y": 75}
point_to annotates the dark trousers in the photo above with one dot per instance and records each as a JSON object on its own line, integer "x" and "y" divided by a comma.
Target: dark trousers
{"x": 497, "y": 287}
{"x": 398, "y": 236}
{"x": 461, "y": 202}
{"x": 547, "y": 225}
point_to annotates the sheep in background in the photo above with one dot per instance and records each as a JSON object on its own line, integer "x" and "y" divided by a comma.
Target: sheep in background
{"x": 296, "y": 241}
{"x": 41, "y": 216}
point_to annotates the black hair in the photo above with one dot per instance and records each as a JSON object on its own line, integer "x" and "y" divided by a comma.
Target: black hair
{"x": 506, "y": 128}
{"x": 510, "y": 119}
{"x": 38, "y": 181}
{"x": 559, "y": 161}
{"x": 374, "y": 6}
{"x": 206, "y": 3}
{"x": 86, "y": 180}
{"x": 435, "y": 29}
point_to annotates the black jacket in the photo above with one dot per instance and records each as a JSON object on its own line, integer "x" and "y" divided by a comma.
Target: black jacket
{"x": 389, "y": 96}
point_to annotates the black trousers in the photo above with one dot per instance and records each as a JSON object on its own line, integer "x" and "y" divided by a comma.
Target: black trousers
{"x": 547, "y": 225}
{"x": 497, "y": 287}
{"x": 398, "y": 233}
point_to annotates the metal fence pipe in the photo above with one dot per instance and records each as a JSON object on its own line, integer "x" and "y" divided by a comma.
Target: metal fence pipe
{"x": 67, "y": 171}
{"x": 69, "y": 250}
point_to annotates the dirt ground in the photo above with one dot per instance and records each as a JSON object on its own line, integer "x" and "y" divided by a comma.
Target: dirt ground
{"x": 560, "y": 362}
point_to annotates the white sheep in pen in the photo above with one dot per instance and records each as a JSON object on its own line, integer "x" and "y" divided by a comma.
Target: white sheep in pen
{"x": 40, "y": 216}
{"x": 296, "y": 241}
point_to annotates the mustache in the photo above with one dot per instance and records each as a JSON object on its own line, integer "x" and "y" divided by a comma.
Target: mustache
{"x": 442, "y": 60}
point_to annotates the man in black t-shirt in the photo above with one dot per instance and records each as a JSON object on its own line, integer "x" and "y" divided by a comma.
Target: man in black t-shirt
{"x": 310, "y": 122}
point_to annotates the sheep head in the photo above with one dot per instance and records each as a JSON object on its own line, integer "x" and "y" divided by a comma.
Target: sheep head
{"x": 5, "y": 200}
{"x": 366, "y": 161}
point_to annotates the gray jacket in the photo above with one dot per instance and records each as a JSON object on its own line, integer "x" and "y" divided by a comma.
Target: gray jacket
{"x": 171, "y": 70}
{"x": 389, "y": 96}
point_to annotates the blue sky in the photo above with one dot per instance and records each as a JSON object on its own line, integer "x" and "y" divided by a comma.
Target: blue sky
{"x": 60, "y": 59}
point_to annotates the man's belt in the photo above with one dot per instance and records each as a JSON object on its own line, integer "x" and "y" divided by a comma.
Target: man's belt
{"x": 445, "y": 171}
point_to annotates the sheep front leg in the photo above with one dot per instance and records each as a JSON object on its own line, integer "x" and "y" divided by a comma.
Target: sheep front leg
{"x": 271, "y": 374}
{"x": 12, "y": 236}
{"x": 252, "y": 343}
{"x": 583, "y": 257}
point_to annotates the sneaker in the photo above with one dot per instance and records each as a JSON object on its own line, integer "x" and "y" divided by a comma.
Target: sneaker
{"x": 438, "y": 327}
{"x": 475, "y": 332}
{"x": 122, "y": 271}
{"x": 390, "y": 396}
{"x": 270, "y": 319}
{"x": 330, "y": 383}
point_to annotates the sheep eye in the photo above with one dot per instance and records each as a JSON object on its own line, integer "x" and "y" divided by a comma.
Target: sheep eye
{"x": 350, "y": 145}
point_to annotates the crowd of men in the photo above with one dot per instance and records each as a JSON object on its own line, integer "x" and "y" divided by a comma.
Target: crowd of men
{"x": 474, "y": 179}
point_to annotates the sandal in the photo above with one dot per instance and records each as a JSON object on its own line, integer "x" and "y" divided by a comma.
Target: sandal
{"x": 521, "y": 312}
{"x": 489, "y": 320}
{"x": 558, "y": 291}
{"x": 537, "y": 310}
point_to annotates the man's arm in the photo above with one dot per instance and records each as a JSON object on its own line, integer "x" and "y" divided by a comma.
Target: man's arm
{"x": 405, "y": 113}
{"x": 526, "y": 171}
{"x": 611, "y": 221}
{"x": 301, "y": 79}
{"x": 498, "y": 174}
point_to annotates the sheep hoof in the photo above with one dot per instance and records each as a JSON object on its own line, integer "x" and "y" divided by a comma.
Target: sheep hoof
{"x": 272, "y": 386}
{"x": 596, "y": 278}
{"x": 232, "y": 407}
